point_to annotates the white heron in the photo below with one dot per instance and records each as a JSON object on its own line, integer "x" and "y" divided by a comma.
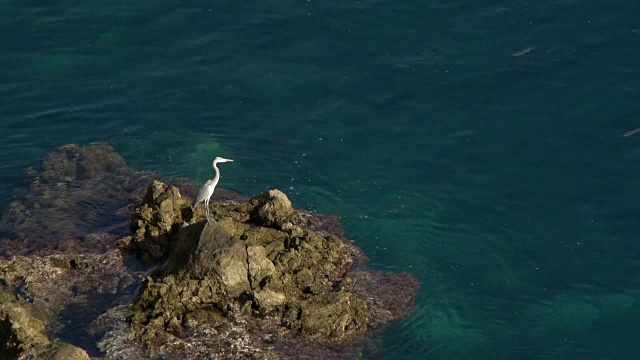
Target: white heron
{"x": 207, "y": 189}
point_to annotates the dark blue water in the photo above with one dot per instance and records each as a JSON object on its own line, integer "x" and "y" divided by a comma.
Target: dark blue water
{"x": 499, "y": 176}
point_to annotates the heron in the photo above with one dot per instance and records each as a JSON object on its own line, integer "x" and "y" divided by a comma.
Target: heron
{"x": 207, "y": 189}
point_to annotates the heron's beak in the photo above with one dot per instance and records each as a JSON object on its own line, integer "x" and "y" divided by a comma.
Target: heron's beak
{"x": 226, "y": 160}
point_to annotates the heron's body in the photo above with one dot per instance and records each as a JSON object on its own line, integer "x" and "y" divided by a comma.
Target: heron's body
{"x": 207, "y": 189}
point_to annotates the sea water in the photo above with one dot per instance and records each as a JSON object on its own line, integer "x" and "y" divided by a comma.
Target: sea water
{"x": 479, "y": 145}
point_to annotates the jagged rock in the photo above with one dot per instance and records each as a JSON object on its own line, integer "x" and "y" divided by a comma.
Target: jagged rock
{"x": 58, "y": 286}
{"x": 269, "y": 300}
{"x": 220, "y": 255}
{"x": 334, "y": 317}
{"x": 154, "y": 219}
{"x": 260, "y": 267}
{"x": 56, "y": 350}
{"x": 69, "y": 352}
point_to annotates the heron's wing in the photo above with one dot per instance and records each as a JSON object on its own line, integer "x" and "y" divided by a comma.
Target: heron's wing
{"x": 202, "y": 194}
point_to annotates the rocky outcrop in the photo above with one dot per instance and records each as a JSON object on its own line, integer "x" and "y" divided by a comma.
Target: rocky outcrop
{"x": 154, "y": 220}
{"x": 272, "y": 209}
{"x": 259, "y": 262}
{"x": 262, "y": 280}
{"x": 72, "y": 162}
{"x": 62, "y": 293}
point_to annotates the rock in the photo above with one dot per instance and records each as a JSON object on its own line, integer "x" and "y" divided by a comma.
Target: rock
{"x": 341, "y": 317}
{"x": 22, "y": 335}
{"x": 19, "y": 330}
{"x": 154, "y": 219}
{"x": 258, "y": 261}
{"x": 220, "y": 255}
{"x": 58, "y": 287}
{"x": 56, "y": 350}
{"x": 269, "y": 300}
{"x": 63, "y": 293}
{"x": 73, "y": 162}
{"x": 77, "y": 201}
{"x": 261, "y": 280}
{"x": 260, "y": 267}
{"x": 231, "y": 268}
{"x": 164, "y": 201}
{"x": 69, "y": 352}
{"x": 391, "y": 295}
{"x": 272, "y": 209}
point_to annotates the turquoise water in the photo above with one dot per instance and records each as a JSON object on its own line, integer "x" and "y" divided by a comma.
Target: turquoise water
{"x": 503, "y": 182}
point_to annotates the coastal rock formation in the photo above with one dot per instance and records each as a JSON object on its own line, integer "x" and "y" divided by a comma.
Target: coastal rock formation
{"x": 154, "y": 220}
{"x": 262, "y": 280}
{"x": 260, "y": 256}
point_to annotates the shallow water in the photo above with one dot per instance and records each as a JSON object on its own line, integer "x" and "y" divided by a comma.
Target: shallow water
{"x": 503, "y": 182}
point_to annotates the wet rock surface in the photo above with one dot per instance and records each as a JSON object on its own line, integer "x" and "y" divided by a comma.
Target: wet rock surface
{"x": 104, "y": 258}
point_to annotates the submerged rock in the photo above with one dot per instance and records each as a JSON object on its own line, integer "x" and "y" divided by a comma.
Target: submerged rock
{"x": 77, "y": 201}
{"x": 72, "y": 162}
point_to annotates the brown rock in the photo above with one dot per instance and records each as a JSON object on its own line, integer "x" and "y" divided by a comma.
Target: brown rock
{"x": 19, "y": 330}
{"x": 272, "y": 208}
{"x": 69, "y": 352}
{"x": 260, "y": 267}
{"x": 155, "y": 217}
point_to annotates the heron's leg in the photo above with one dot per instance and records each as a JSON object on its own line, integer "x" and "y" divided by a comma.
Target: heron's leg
{"x": 206, "y": 202}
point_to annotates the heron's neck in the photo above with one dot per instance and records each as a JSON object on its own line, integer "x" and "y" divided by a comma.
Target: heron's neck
{"x": 215, "y": 166}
